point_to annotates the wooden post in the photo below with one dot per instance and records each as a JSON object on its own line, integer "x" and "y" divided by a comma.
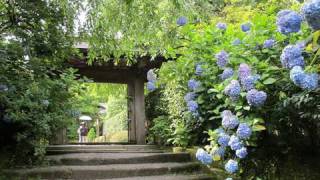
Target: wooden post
{"x": 139, "y": 108}
{"x": 131, "y": 114}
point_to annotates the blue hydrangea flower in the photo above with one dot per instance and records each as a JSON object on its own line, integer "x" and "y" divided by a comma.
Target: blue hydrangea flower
{"x": 151, "y": 86}
{"x": 297, "y": 75}
{"x": 192, "y": 106}
{"x": 181, "y": 21}
{"x": 227, "y": 73}
{"x": 301, "y": 45}
{"x": 256, "y": 98}
{"x": 3, "y": 87}
{"x": 45, "y": 102}
{"x": 222, "y": 58}
{"x": 241, "y": 153}
{"x": 236, "y": 42}
{"x": 230, "y": 121}
{"x": 310, "y": 81}
{"x": 199, "y": 70}
{"x": 193, "y": 84}
{"x": 203, "y": 157}
{"x": 292, "y": 56}
{"x": 233, "y": 89}
{"x": 249, "y": 82}
{"x": 189, "y": 96}
{"x": 223, "y": 140}
{"x": 226, "y": 113}
{"x": 235, "y": 143}
{"x": 244, "y": 70}
{"x": 221, "y": 26}
{"x": 288, "y": 21}
{"x": 231, "y": 166}
{"x": 268, "y": 43}
{"x": 245, "y": 27}
{"x": 244, "y": 131}
{"x": 219, "y": 151}
{"x": 311, "y": 12}
{"x": 151, "y": 76}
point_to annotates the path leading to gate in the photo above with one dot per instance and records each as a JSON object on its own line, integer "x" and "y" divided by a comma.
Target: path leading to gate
{"x": 145, "y": 162}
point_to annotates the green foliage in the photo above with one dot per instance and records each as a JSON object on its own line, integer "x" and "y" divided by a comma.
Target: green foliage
{"x": 91, "y": 134}
{"x": 160, "y": 131}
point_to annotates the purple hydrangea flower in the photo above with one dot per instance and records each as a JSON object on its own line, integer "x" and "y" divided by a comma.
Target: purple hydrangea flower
{"x": 222, "y": 58}
{"x": 181, "y": 21}
{"x": 233, "y": 89}
{"x": 244, "y": 131}
{"x": 203, "y": 157}
{"x": 151, "y": 76}
{"x": 245, "y": 27}
{"x": 221, "y": 26}
{"x": 151, "y": 86}
{"x": 231, "y": 166}
{"x": 292, "y": 56}
{"x": 199, "y": 70}
{"x": 235, "y": 143}
{"x": 193, "y": 84}
{"x": 236, "y": 42}
{"x": 244, "y": 70}
{"x": 288, "y": 21}
{"x": 242, "y": 153}
{"x": 230, "y": 121}
{"x": 226, "y": 113}
{"x": 311, "y": 12}
{"x": 192, "y": 106}
{"x": 256, "y": 98}
{"x": 249, "y": 82}
{"x": 223, "y": 140}
{"x": 268, "y": 43}
{"x": 227, "y": 73}
{"x": 189, "y": 96}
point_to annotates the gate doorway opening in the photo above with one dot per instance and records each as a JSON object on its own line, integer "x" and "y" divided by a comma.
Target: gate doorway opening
{"x": 102, "y": 115}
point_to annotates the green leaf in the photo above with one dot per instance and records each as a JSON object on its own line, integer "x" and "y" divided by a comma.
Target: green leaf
{"x": 269, "y": 81}
{"x": 258, "y": 127}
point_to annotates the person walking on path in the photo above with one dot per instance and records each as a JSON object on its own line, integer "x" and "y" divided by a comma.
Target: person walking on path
{"x": 82, "y": 131}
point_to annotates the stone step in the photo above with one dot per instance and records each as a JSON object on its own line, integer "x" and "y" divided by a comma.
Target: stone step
{"x": 103, "y": 171}
{"x": 198, "y": 176}
{"x": 117, "y": 158}
{"x": 116, "y": 148}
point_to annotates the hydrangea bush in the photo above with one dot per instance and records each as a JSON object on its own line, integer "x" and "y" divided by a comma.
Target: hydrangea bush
{"x": 248, "y": 71}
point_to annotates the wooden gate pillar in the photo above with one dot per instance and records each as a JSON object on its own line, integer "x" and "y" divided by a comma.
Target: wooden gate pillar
{"x": 139, "y": 110}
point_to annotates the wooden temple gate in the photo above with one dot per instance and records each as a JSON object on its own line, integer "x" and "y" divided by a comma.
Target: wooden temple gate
{"x": 134, "y": 76}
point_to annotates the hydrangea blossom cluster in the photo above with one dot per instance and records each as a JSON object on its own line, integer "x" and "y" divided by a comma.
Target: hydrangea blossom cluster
{"x": 221, "y": 26}
{"x": 181, "y": 21}
{"x": 245, "y": 27}
{"x": 236, "y": 42}
{"x": 193, "y": 84}
{"x": 231, "y": 166}
{"x": 192, "y": 106}
{"x": 189, "y": 96}
{"x": 304, "y": 80}
{"x": 235, "y": 143}
{"x": 227, "y": 73}
{"x": 244, "y": 131}
{"x": 203, "y": 156}
{"x": 249, "y": 82}
{"x": 222, "y": 58}
{"x": 199, "y": 70}
{"x": 311, "y": 12}
{"x": 3, "y": 88}
{"x": 292, "y": 56}
{"x": 269, "y": 43}
{"x": 229, "y": 120}
{"x": 233, "y": 89}
{"x": 244, "y": 71}
{"x": 288, "y": 21}
{"x": 223, "y": 140}
{"x": 256, "y": 98}
{"x": 242, "y": 152}
{"x": 152, "y": 78}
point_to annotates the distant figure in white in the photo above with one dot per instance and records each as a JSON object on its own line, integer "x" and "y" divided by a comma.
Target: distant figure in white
{"x": 82, "y": 132}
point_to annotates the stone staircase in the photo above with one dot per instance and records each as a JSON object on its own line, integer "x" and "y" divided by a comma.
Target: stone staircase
{"x": 145, "y": 162}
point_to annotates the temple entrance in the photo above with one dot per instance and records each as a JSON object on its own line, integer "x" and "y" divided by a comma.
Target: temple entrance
{"x": 102, "y": 115}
